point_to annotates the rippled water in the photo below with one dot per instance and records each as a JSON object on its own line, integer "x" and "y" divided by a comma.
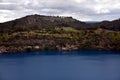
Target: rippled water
{"x": 73, "y": 65}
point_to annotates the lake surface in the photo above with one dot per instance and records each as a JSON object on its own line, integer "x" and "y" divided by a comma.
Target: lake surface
{"x": 73, "y": 65}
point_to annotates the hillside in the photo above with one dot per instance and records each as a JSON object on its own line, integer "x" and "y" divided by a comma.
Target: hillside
{"x": 110, "y": 25}
{"x": 38, "y": 32}
{"x": 35, "y": 22}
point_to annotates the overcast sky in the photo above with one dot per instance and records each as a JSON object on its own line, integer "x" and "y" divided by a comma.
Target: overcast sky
{"x": 84, "y": 10}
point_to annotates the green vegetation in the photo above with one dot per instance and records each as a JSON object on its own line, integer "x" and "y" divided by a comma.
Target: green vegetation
{"x": 36, "y": 32}
{"x": 61, "y": 38}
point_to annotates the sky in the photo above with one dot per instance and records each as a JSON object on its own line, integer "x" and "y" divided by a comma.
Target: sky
{"x": 84, "y": 10}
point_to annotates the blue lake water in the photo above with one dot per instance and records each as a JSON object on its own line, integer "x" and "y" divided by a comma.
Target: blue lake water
{"x": 61, "y": 65}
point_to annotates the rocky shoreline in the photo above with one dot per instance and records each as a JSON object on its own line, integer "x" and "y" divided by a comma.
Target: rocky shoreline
{"x": 13, "y": 49}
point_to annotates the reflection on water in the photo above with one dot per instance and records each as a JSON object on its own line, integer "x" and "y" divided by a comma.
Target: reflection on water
{"x": 73, "y": 65}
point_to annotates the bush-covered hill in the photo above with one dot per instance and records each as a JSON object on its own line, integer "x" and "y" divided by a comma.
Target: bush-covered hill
{"x": 110, "y": 25}
{"x": 37, "y": 32}
{"x": 35, "y": 22}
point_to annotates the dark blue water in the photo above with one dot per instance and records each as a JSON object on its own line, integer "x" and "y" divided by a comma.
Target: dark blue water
{"x": 73, "y": 65}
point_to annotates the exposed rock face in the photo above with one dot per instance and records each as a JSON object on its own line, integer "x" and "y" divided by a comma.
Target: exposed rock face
{"x": 2, "y": 49}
